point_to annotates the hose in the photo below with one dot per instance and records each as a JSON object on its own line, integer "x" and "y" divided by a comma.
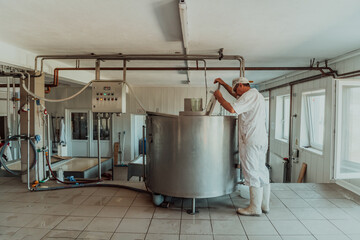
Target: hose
{"x": 38, "y": 189}
{"x": 3, "y": 149}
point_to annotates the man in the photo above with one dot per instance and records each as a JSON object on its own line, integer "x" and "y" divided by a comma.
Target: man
{"x": 250, "y": 106}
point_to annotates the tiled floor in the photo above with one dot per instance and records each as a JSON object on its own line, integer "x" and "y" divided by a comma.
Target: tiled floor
{"x": 298, "y": 211}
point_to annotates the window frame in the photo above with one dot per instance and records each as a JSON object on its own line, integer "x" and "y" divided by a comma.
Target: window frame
{"x": 309, "y": 123}
{"x": 282, "y": 128}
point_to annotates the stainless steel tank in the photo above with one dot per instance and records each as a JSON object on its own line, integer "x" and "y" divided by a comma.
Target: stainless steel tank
{"x": 191, "y": 156}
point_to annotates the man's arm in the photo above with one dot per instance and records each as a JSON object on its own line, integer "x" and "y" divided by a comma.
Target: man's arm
{"x": 223, "y": 102}
{"x": 226, "y": 86}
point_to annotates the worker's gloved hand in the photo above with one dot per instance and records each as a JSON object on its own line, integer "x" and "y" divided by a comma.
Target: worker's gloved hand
{"x": 219, "y": 80}
{"x": 217, "y": 94}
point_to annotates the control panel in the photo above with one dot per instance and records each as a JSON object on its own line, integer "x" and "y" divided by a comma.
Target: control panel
{"x": 108, "y": 96}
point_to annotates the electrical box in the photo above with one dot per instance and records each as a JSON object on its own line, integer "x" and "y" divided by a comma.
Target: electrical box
{"x": 108, "y": 96}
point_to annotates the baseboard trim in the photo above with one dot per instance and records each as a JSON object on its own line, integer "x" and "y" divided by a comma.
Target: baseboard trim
{"x": 348, "y": 186}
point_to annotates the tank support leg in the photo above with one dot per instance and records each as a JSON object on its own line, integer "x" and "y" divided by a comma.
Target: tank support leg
{"x": 193, "y": 210}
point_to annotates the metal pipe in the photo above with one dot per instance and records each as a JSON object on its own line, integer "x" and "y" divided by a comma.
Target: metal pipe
{"x": 143, "y": 153}
{"x": 7, "y": 107}
{"x": 269, "y": 123}
{"x": 48, "y": 140}
{"x": 290, "y": 136}
{"x": 97, "y": 70}
{"x": 98, "y": 145}
{"x": 28, "y": 135}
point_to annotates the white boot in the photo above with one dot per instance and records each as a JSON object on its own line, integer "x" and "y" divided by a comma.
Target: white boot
{"x": 265, "y": 205}
{"x": 254, "y": 209}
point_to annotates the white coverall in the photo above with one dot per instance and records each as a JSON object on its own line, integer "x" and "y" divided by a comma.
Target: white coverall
{"x": 253, "y": 140}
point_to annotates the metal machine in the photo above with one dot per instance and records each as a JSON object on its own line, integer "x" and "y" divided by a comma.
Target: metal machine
{"x": 191, "y": 156}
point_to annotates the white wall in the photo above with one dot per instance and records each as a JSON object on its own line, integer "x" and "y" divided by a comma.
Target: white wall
{"x": 320, "y": 167}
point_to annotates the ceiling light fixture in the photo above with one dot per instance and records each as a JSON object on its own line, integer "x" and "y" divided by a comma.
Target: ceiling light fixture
{"x": 184, "y": 23}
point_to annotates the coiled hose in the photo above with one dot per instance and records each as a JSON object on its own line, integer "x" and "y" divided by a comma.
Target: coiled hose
{"x": 15, "y": 137}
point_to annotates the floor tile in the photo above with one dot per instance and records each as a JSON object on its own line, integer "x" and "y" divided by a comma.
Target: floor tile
{"x": 17, "y": 220}
{"x": 320, "y": 203}
{"x": 306, "y": 213}
{"x": 343, "y": 203}
{"x": 301, "y": 237}
{"x": 265, "y": 237}
{"x": 280, "y": 214}
{"x": 320, "y": 227}
{"x": 101, "y": 224}
{"x": 155, "y": 236}
{"x": 166, "y": 213}
{"x": 7, "y": 232}
{"x": 110, "y": 211}
{"x": 309, "y": 195}
{"x": 227, "y": 227}
{"x": 30, "y": 233}
{"x": 354, "y": 236}
{"x": 63, "y": 234}
{"x": 120, "y": 201}
{"x": 74, "y": 223}
{"x": 96, "y": 201}
{"x": 95, "y": 235}
{"x": 140, "y": 212}
{"x": 45, "y": 221}
{"x": 196, "y": 227}
{"x": 332, "y": 237}
{"x": 204, "y": 213}
{"x": 61, "y": 209}
{"x": 333, "y": 213}
{"x": 128, "y": 236}
{"x": 230, "y": 237}
{"x": 295, "y": 203}
{"x": 223, "y": 213}
{"x": 259, "y": 228}
{"x": 125, "y": 193}
{"x": 347, "y": 226}
{"x": 105, "y": 191}
{"x": 290, "y": 227}
{"x": 165, "y": 226}
{"x": 285, "y": 194}
{"x": 86, "y": 211}
{"x": 196, "y": 237}
{"x": 142, "y": 200}
{"x": 132, "y": 225}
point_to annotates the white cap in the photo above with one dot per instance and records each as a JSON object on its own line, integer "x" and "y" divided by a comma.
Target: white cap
{"x": 242, "y": 80}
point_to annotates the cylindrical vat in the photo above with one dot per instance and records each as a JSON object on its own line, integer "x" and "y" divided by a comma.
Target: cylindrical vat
{"x": 191, "y": 156}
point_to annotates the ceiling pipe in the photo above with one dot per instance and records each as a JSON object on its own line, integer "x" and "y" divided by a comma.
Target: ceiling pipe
{"x": 197, "y": 68}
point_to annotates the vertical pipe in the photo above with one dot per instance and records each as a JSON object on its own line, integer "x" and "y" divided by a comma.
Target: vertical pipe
{"x": 269, "y": 122}
{"x": 193, "y": 206}
{"x": 97, "y": 69}
{"x": 7, "y": 108}
{"x": 28, "y": 134}
{"x": 48, "y": 141}
{"x": 290, "y": 136}
{"x": 98, "y": 145}
{"x": 143, "y": 151}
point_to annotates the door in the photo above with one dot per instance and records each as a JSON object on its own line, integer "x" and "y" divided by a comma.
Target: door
{"x": 105, "y": 135}
{"x": 347, "y": 140}
{"x": 78, "y": 132}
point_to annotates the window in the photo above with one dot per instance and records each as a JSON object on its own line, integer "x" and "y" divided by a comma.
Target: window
{"x": 104, "y": 127}
{"x": 312, "y": 119}
{"x": 282, "y": 117}
{"x": 267, "y": 102}
{"x": 347, "y": 159}
{"x": 79, "y": 125}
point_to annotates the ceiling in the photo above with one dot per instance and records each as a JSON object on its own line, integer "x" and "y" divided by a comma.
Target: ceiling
{"x": 267, "y": 33}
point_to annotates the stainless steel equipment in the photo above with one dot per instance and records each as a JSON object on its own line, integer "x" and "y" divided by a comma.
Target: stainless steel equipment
{"x": 191, "y": 156}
